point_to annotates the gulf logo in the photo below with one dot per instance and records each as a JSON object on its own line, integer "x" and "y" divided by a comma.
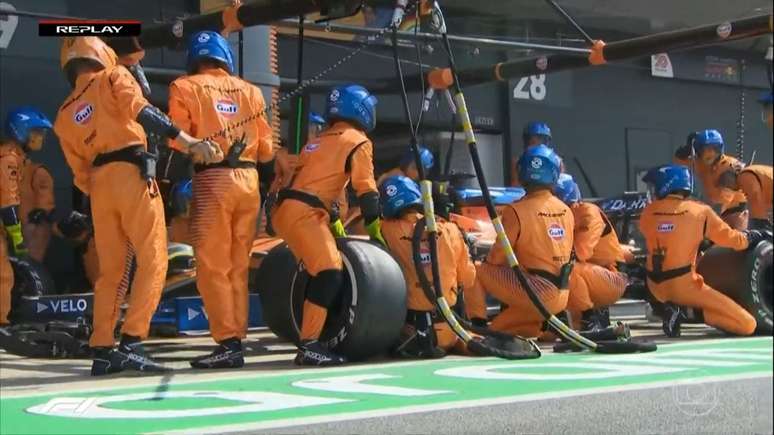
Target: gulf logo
{"x": 226, "y": 107}
{"x": 665, "y": 227}
{"x": 312, "y": 147}
{"x": 555, "y": 232}
{"x": 83, "y": 113}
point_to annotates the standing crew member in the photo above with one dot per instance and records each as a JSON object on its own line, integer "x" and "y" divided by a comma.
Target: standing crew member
{"x": 426, "y": 334}
{"x": 226, "y": 199}
{"x": 712, "y": 165}
{"x": 408, "y": 166}
{"x": 540, "y": 231}
{"x": 766, "y": 100}
{"x": 597, "y": 283}
{"x": 674, "y": 226}
{"x": 25, "y": 128}
{"x": 102, "y": 129}
{"x": 340, "y": 155}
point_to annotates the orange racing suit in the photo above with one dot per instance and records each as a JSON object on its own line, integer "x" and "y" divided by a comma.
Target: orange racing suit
{"x": 596, "y": 283}
{"x": 756, "y": 183}
{"x": 97, "y": 122}
{"x": 539, "y": 228}
{"x": 226, "y": 198}
{"x": 732, "y": 202}
{"x": 339, "y": 155}
{"x": 457, "y": 269}
{"x": 674, "y": 228}
{"x": 11, "y": 164}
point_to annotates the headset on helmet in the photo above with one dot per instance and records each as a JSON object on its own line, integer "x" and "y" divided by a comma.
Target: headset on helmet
{"x": 397, "y": 193}
{"x": 709, "y": 139}
{"x": 567, "y": 189}
{"x": 535, "y": 128}
{"x": 428, "y": 160}
{"x": 352, "y": 103}
{"x": 209, "y": 45}
{"x": 21, "y": 120}
{"x": 668, "y": 179}
{"x": 539, "y": 165}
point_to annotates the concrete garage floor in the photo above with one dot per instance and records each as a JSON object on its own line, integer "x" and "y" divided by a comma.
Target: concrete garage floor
{"x": 739, "y": 405}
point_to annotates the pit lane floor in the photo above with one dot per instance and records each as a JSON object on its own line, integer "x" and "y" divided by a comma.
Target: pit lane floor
{"x": 703, "y": 382}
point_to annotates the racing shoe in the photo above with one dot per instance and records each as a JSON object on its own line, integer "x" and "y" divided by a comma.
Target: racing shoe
{"x": 131, "y": 356}
{"x": 596, "y": 319}
{"x": 673, "y": 318}
{"x": 314, "y": 353}
{"x": 227, "y": 355}
{"x": 102, "y": 364}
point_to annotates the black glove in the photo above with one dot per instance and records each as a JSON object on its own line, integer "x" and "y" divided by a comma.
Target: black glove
{"x": 684, "y": 152}
{"x": 754, "y": 237}
{"x": 38, "y": 216}
{"x": 74, "y": 225}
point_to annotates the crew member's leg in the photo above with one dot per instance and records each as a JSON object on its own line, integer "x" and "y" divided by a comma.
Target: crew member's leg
{"x": 521, "y": 317}
{"x": 243, "y": 224}
{"x": 6, "y": 281}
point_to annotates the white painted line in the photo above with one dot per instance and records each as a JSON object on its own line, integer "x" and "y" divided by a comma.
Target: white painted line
{"x": 293, "y": 422}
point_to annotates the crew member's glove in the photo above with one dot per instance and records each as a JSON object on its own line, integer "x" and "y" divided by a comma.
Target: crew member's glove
{"x": 686, "y": 151}
{"x": 206, "y": 152}
{"x": 38, "y": 216}
{"x": 374, "y": 230}
{"x": 754, "y": 237}
{"x": 17, "y": 240}
{"x": 337, "y": 228}
{"x": 74, "y": 225}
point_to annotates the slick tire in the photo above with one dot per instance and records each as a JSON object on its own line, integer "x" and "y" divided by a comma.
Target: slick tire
{"x": 366, "y": 318}
{"x": 745, "y": 277}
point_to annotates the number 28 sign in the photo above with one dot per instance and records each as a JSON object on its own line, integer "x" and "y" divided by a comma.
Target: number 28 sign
{"x": 531, "y": 88}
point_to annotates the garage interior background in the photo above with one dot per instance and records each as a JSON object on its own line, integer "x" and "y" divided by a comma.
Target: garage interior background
{"x": 617, "y": 120}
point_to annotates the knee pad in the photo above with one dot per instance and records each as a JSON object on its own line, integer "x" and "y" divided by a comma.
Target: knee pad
{"x": 324, "y": 287}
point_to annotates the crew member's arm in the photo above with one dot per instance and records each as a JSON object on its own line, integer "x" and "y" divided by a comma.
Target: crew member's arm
{"x": 512, "y": 230}
{"x": 719, "y": 232}
{"x": 128, "y": 96}
{"x": 466, "y": 270}
{"x": 43, "y": 190}
{"x": 361, "y": 166}
{"x": 10, "y": 200}
{"x": 587, "y": 233}
{"x": 758, "y": 203}
{"x": 266, "y": 148}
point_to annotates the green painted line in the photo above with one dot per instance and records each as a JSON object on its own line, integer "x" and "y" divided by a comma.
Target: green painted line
{"x": 311, "y": 395}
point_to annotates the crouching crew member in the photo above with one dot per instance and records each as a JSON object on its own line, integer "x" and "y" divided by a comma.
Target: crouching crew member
{"x": 102, "y": 129}
{"x": 712, "y": 167}
{"x": 674, "y": 226}
{"x": 339, "y": 155}
{"x": 426, "y": 334}
{"x": 210, "y": 101}
{"x": 596, "y": 283}
{"x": 540, "y": 231}
{"x": 408, "y": 165}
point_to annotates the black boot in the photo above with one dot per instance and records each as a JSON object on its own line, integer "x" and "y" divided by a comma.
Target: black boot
{"x": 130, "y": 355}
{"x": 673, "y": 318}
{"x": 102, "y": 363}
{"x": 227, "y": 355}
{"x": 314, "y": 353}
{"x": 596, "y": 319}
{"x": 418, "y": 339}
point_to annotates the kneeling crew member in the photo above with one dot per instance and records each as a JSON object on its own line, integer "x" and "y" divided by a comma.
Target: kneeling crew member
{"x": 340, "y": 155}
{"x": 102, "y": 129}
{"x": 596, "y": 283}
{"x": 674, "y": 226}
{"x": 756, "y": 183}
{"x": 426, "y": 334}
{"x": 540, "y": 231}
{"x": 712, "y": 167}
{"x": 226, "y": 198}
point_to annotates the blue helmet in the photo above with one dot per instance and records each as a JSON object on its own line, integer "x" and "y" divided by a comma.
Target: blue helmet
{"x": 428, "y": 160}
{"x": 766, "y": 98}
{"x": 21, "y": 120}
{"x": 567, "y": 189}
{"x": 534, "y": 128}
{"x": 352, "y": 103}
{"x": 668, "y": 179}
{"x": 539, "y": 165}
{"x": 180, "y": 196}
{"x": 397, "y": 193}
{"x": 209, "y": 45}
{"x": 709, "y": 139}
{"x": 316, "y": 119}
